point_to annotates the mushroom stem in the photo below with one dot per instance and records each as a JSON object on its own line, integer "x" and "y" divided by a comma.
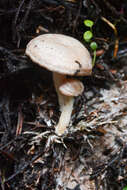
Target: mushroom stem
{"x": 65, "y": 102}
{"x": 65, "y": 115}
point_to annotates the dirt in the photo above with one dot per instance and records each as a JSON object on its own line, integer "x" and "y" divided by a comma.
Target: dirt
{"x": 92, "y": 154}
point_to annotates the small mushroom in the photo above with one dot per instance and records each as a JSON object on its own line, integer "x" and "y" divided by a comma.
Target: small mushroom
{"x": 63, "y": 55}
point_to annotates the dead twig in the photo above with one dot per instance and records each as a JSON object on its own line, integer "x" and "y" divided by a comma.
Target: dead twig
{"x": 114, "y": 11}
{"x": 116, "y": 35}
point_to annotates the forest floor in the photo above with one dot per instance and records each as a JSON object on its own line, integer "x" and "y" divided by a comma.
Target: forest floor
{"x": 92, "y": 154}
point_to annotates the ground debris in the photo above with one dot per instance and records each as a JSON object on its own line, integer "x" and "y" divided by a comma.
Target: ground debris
{"x": 93, "y": 154}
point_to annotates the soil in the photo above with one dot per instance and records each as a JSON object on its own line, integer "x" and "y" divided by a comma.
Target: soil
{"x": 92, "y": 154}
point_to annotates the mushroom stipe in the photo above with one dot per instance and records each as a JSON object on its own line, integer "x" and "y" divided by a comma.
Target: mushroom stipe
{"x": 63, "y": 55}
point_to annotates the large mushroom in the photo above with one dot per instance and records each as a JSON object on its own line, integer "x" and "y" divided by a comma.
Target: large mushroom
{"x": 64, "y": 56}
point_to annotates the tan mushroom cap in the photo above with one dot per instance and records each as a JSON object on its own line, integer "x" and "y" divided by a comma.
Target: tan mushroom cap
{"x": 60, "y": 53}
{"x": 71, "y": 87}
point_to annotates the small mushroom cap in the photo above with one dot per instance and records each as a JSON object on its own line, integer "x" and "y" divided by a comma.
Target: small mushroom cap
{"x": 60, "y": 53}
{"x": 71, "y": 87}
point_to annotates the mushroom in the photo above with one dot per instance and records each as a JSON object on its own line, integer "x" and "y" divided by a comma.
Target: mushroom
{"x": 64, "y": 56}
